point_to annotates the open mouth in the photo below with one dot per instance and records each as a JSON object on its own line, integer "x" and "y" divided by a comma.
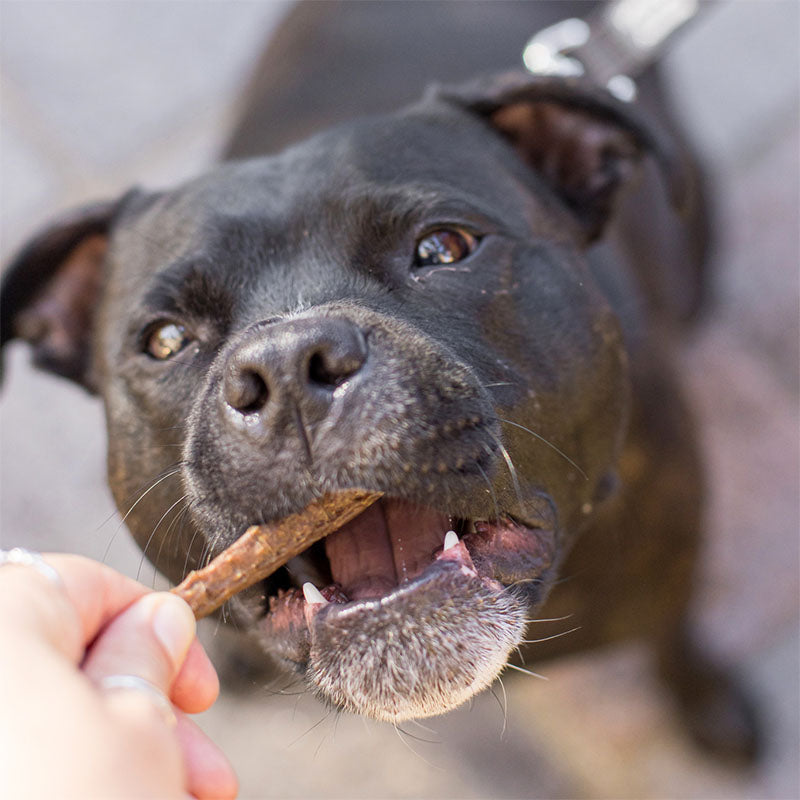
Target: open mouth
{"x": 405, "y": 611}
{"x": 392, "y": 545}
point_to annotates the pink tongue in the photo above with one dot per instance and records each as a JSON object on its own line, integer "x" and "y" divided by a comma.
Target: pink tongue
{"x": 390, "y": 543}
{"x": 416, "y": 534}
{"x": 360, "y": 555}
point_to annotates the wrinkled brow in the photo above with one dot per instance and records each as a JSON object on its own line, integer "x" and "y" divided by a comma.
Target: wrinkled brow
{"x": 191, "y": 289}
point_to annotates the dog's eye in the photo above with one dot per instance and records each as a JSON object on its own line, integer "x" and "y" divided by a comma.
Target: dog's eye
{"x": 444, "y": 246}
{"x": 166, "y": 340}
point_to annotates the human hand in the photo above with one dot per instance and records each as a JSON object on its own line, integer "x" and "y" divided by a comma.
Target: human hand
{"x": 63, "y": 735}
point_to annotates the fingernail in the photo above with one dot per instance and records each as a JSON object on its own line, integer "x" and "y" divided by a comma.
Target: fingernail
{"x": 174, "y": 626}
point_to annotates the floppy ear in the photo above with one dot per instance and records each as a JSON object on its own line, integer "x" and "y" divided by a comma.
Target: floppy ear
{"x": 582, "y": 141}
{"x": 51, "y": 288}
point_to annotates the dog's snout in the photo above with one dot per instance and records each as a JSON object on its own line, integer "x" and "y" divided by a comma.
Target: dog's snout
{"x": 301, "y": 361}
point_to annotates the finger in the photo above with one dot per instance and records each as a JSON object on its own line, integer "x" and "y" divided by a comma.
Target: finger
{"x": 71, "y": 613}
{"x": 97, "y": 592}
{"x": 34, "y": 609}
{"x": 208, "y": 772}
{"x": 197, "y": 685}
{"x": 149, "y": 640}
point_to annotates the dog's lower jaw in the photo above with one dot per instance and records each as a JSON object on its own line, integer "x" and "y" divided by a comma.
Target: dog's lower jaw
{"x": 425, "y": 647}
{"x": 407, "y": 662}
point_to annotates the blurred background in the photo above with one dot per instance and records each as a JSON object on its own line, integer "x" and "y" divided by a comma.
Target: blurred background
{"x": 99, "y": 96}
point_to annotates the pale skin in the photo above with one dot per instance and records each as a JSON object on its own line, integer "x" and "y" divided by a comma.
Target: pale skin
{"x": 63, "y": 736}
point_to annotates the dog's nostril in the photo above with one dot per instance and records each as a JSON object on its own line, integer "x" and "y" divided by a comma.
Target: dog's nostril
{"x": 336, "y": 353}
{"x": 246, "y": 391}
{"x": 328, "y": 372}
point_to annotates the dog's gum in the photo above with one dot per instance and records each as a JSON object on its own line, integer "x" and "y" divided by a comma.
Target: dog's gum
{"x": 263, "y": 548}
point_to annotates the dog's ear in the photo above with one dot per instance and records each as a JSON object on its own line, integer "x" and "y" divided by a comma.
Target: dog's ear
{"x": 582, "y": 141}
{"x": 51, "y": 288}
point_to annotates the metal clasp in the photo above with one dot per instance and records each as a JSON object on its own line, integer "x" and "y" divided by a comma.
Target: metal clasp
{"x": 546, "y": 52}
{"x": 612, "y": 45}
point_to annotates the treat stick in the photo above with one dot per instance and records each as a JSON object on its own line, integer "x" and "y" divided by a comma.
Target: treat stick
{"x": 264, "y": 548}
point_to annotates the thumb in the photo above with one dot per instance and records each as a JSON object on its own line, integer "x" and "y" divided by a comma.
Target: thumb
{"x": 150, "y": 640}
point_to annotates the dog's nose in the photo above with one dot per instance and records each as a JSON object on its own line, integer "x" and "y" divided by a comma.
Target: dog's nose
{"x": 300, "y": 360}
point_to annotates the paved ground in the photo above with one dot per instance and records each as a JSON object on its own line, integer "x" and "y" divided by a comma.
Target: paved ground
{"x": 97, "y": 96}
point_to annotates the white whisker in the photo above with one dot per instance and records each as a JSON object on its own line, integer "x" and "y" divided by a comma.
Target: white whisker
{"x": 527, "y": 672}
{"x": 155, "y": 529}
{"x": 548, "y": 443}
{"x": 554, "y": 636}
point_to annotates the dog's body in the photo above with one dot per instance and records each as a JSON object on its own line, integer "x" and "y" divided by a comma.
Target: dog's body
{"x": 408, "y": 304}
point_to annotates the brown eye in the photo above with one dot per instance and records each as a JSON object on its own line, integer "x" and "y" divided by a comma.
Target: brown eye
{"x": 444, "y": 246}
{"x": 167, "y": 340}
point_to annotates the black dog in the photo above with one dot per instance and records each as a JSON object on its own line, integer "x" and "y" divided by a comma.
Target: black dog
{"x": 439, "y": 304}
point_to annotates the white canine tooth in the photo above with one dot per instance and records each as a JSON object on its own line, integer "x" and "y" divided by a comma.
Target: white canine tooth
{"x": 312, "y": 594}
{"x": 450, "y": 540}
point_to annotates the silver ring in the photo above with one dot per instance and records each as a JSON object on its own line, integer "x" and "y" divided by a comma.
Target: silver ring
{"x": 115, "y": 683}
{"x": 21, "y": 557}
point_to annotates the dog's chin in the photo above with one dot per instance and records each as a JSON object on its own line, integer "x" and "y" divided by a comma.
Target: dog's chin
{"x": 403, "y": 627}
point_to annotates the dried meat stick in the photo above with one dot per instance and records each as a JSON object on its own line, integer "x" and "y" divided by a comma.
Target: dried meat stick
{"x": 264, "y": 548}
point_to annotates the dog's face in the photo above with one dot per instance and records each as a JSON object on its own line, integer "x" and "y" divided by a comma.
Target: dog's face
{"x": 401, "y": 305}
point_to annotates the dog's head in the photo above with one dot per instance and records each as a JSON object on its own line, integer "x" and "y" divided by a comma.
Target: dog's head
{"x": 401, "y": 305}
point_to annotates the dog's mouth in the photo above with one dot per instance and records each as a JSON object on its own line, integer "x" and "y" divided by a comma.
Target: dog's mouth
{"x": 406, "y": 611}
{"x": 392, "y": 544}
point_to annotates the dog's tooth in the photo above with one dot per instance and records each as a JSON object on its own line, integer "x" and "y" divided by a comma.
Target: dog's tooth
{"x": 312, "y": 594}
{"x": 450, "y": 540}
